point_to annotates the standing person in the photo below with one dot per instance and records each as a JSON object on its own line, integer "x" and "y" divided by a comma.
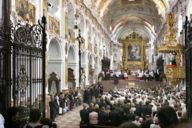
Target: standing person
{"x": 116, "y": 80}
{"x": 54, "y": 107}
{"x": 62, "y": 101}
{"x": 35, "y": 117}
{"x": 84, "y": 116}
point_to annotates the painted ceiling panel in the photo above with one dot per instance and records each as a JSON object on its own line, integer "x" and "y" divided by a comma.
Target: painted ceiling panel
{"x": 119, "y": 14}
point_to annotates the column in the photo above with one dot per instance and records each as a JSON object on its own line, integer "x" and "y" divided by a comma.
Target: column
{"x": 5, "y": 69}
{"x": 5, "y": 23}
{"x": 87, "y": 69}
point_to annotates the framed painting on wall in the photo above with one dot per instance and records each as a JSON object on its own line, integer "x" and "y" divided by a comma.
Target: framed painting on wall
{"x": 31, "y": 13}
{"x": 134, "y": 52}
{"x": 25, "y": 10}
{"x": 54, "y": 25}
{"x": 21, "y": 8}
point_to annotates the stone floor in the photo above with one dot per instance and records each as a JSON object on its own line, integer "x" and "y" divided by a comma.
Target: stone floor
{"x": 70, "y": 119}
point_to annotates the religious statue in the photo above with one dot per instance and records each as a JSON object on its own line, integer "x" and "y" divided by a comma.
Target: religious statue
{"x": 53, "y": 84}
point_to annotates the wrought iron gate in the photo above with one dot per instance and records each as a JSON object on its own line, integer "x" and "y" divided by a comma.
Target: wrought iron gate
{"x": 188, "y": 63}
{"x": 22, "y": 68}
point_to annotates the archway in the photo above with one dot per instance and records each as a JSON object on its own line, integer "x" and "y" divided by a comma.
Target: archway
{"x": 71, "y": 68}
{"x": 55, "y": 62}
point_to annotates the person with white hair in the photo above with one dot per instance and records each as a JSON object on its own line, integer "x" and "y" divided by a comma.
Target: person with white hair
{"x": 93, "y": 117}
{"x": 155, "y": 123}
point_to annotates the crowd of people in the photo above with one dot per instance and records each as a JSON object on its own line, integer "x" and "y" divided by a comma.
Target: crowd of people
{"x": 92, "y": 93}
{"x": 146, "y": 75}
{"x": 144, "y": 108}
{"x": 64, "y": 102}
{"x": 124, "y": 108}
{"x": 35, "y": 120}
{"x": 59, "y": 104}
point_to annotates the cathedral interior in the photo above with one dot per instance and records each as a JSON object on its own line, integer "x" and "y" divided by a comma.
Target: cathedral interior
{"x": 73, "y": 54}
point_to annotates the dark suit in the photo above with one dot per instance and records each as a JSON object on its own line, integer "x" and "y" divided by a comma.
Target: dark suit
{"x": 147, "y": 110}
{"x": 103, "y": 118}
{"x": 139, "y": 110}
{"x": 114, "y": 118}
{"x": 53, "y": 109}
{"x": 84, "y": 114}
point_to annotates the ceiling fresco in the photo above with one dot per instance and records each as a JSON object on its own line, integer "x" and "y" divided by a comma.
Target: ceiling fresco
{"x": 122, "y": 16}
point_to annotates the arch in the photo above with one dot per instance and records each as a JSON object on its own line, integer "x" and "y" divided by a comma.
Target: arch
{"x": 71, "y": 55}
{"x": 55, "y": 60}
{"x": 71, "y": 67}
{"x": 54, "y": 50}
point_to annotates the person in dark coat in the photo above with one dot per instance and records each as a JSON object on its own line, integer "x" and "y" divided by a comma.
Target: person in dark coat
{"x": 139, "y": 109}
{"x": 116, "y": 80}
{"x": 53, "y": 108}
{"x": 84, "y": 116}
{"x": 113, "y": 118}
{"x": 103, "y": 117}
{"x": 86, "y": 96}
{"x": 147, "y": 109}
{"x": 12, "y": 120}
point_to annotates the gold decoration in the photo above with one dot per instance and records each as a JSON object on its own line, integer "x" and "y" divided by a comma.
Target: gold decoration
{"x": 133, "y": 52}
{"x": 171, "y": 44}
{"x": 175, "y": 73}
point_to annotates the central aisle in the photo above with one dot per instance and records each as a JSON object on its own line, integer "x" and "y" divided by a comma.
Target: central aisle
{"x": 70, "y": 119}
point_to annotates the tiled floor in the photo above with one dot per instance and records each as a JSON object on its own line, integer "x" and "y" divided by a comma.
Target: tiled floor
{"x": 70, "y": 119}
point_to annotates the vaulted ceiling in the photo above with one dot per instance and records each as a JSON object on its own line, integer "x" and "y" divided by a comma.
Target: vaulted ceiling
{"x": 122, "y": 17}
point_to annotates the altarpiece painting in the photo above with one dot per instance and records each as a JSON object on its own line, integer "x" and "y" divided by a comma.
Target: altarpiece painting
{"x": 134, "y": 52}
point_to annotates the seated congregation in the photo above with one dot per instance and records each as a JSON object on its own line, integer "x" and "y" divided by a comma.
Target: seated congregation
{"x": 142, "y": 108}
